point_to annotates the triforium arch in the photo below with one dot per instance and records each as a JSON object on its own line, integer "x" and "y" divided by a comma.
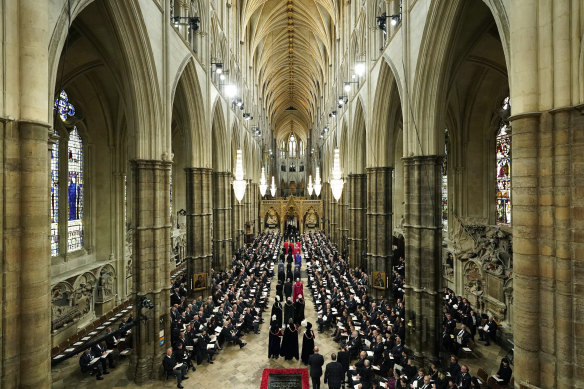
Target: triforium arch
{"x": 465, "y": 70}
{"x": 380, "y": 164}
{"x": 357, "y": 188}
{"x": 221, "y": 188}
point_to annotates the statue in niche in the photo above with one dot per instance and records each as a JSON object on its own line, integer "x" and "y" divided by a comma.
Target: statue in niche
{"x": 83, "y": 293}
{"x": 105, "y": 290}
{"x": 272, "y": 218}
{"x": 311, "y": 218}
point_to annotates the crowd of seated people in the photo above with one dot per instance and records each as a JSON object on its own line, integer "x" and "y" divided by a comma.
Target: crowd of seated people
{"x": 374, "y": 332}
{"x": 238, "y": 297}
{"x": 96, "y": 359}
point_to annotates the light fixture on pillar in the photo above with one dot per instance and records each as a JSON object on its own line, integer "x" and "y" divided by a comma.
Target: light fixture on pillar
{"x": 336, "y": 180}
{"x": 310, "y": 187}
{"x": 273, "y": 188}
{"x": 263, "y": 184}
{"x": 360, "y": 69}
{"x": 239, "y": 183}
{"x": 317, "y": 184}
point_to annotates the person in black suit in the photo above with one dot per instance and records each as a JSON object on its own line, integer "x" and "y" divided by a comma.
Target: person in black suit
{"x": 488, "y": 331}
{"x": 316, "y": 361}
{"x": 463, "y": 379}
{"x": 288, "y": 288}
{"x": 172, "y": 367}
{"x": 334, "y": 373}
{"x": 344, "y": 357}
{"x": 99, "y": 351}
{"x": 87, "y": 366}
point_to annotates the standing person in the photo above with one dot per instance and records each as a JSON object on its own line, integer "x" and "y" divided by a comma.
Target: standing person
{"x": 504, "y": 371}
{"x": 299, "y": 310}
{"x": 334, "y": 373}
{"x": 280, "y": 290}
{"x": 289, "y": 347}
{"x": 277, "y": 311}
{"x": 274, "y": 343}
{"x": 288, "y": 310}
{"x": 316, "y": 361}
{"x": 298, "y": 289}
{"x": 288, "y": 289}
{"x": 307, "y": 344}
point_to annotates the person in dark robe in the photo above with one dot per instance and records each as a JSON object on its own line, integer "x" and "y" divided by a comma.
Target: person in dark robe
{"x": 289, "y": 347}
{"x": 288, "y": 289}
{"x": 307, "y": 344}
{"x": 299, "y": 310}
{"x": 277, "y": 312}
{"x": 288, "y": 310}
{"x": 281, "y": 273}
{"x": 280, "y": 290}
{"x": 504, "y": 372}
{"x": 274, "y": 342}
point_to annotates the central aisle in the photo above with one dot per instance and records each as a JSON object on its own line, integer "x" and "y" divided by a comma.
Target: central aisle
{"x": 235, "y": 368}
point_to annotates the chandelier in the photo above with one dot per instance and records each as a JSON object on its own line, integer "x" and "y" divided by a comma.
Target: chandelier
{"x": 239, "y": 183}
{"x": 273, "y": 188}
{"x": 317, "y": 184}
{"x": 310, "y": 185}
{"x": 336, "y": 180}
{"x": 263, "y": 184}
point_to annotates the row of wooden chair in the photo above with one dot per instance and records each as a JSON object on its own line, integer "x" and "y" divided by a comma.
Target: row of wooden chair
{"x": 109, "y": 316}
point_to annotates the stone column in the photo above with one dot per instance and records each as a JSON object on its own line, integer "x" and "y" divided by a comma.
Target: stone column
{"x": 379, "y": 228}
{"x": 222, "y": 194}
{"x": 423, "y": 239}
{"x": 333, "y": 207}
{"x": 199, "y": 221}
{"x": 357, "y": 217}
{"x": 247, "y": 203}
{"x": 326, "y": 204}
{"x": 151, "y": 266}
{"x": 342, "y": 209}
{"x": 25, "y": 317}
{"x": 237, "y": 221}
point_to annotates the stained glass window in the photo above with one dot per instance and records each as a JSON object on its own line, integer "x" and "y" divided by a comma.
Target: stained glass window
{"x": 504, "y": 170}
{"x": 75, "y": 192}
{"x": 63, "y": 107}
{"x": 292, "y": 146}
{"x": 55, "y": 199}
{"x": 445, "y": 184}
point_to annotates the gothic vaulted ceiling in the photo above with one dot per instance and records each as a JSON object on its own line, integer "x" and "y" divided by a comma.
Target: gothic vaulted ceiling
{"x": 289, "y": 42}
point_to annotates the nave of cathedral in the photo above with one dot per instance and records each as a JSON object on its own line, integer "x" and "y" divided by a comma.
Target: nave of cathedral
{"x": 433, "y": 148}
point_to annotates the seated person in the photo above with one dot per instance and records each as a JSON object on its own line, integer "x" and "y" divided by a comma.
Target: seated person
{"x": 504, "y": 372}
{"x": 85, "y": 361}
{"x": 172, "y": 367}
{"x": 99, "y": 351}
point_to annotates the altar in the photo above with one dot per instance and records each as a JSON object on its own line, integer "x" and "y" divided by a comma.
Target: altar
{"x": 301, "y": 213}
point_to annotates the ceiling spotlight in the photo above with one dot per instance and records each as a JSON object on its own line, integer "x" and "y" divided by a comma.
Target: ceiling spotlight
{"x": 222, "y": 77}
{"x": 230, "y": 90}
{"x": 347, "y": 87}
{"x": 325, "y": 130}
{"x": 359, "y": 69}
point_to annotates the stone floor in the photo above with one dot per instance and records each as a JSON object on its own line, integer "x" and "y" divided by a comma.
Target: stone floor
{"x": 242, "y": 368}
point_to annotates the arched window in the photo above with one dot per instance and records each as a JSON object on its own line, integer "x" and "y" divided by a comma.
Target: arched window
{"x": 504, "y": 169}
{"x": 66, "y": 162}
{"x": 301, "y": 147}
{"x": 55, "y": 198}
{"x": 445, "y": 184}
{"x": 292, "y": 146}
{"x": 75, "y": 191}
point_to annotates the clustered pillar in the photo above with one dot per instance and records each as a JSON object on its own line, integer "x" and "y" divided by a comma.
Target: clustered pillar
{"x": 151, "y": 266}
{"x": 357, "y": 188}
{"x": 199, "y": 221}
{"x": 379, "y": 216}
{"x": 222, "y": 241}
{"x": 423, "y": 236}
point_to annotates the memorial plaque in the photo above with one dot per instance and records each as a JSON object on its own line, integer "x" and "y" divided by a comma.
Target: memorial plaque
{"x": 285, "y": 381}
